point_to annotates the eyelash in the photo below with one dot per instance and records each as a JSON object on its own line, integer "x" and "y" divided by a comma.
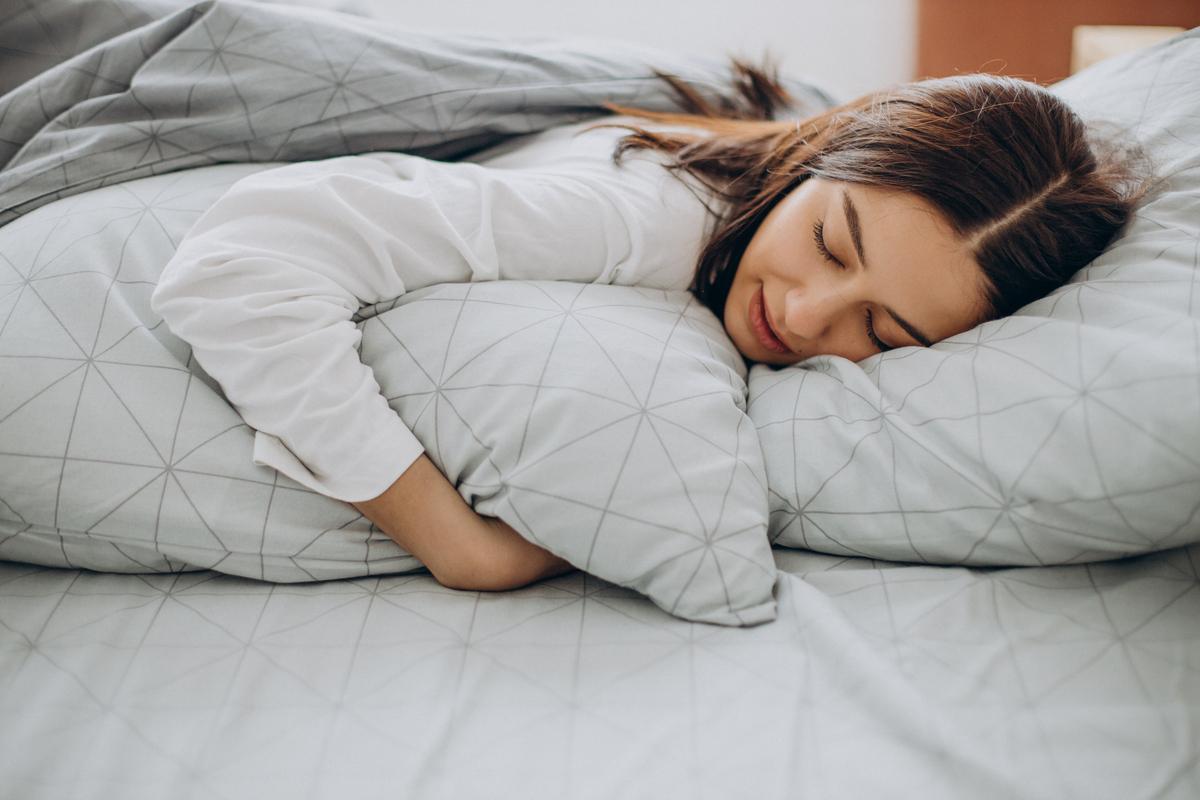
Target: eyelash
{"x": 819, "y": 238}
{"x": 883, "y": 348}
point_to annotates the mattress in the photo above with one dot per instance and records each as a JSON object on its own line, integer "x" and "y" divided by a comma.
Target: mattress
{"x": 876, "y": 680}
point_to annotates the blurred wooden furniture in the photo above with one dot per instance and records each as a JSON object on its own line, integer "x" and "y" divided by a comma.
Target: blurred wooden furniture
{"x": 1092, "y": 43}
{"x": 1026, "y": 38}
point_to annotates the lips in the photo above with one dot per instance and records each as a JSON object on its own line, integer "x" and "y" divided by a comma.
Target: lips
{"x": 762, "y": 326}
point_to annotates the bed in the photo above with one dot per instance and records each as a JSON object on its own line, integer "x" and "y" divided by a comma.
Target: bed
{"x": 175, "y": 621}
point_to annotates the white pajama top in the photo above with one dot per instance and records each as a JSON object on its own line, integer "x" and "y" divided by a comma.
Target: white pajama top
{"x": 265, "y": 284}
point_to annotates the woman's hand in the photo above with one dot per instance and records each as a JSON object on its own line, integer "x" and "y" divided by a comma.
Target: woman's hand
{"x": 426, "y": 516}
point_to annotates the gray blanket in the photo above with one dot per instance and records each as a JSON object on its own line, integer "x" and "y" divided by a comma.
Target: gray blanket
{"x": 95, "y": 93}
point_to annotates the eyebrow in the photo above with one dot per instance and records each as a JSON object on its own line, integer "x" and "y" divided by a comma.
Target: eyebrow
{"x": 856, "y": 236}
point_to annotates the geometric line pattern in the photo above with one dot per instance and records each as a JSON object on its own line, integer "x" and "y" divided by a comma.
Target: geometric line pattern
{"x": 641, "y": 468}
{"x": 118, "y": 451}
{"x": 1074, "y": 681}
{"x": 120, "y": 454}
{"x": 204, "y": 83}
{"x": 1068, "y": 681}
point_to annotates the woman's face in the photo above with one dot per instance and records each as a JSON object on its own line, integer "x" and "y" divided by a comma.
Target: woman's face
{"x": 883, "y": 272}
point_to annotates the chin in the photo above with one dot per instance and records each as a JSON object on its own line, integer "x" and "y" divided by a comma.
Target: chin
{"x": 777, "y": 359}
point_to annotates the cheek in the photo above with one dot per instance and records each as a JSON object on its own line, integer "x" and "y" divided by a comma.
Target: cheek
{"x": 732, "y": 319}
{"x": 780, "y": 255}
{"x": 756, "y": 250}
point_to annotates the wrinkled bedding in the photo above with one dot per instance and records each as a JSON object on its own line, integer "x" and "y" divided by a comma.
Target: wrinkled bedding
{"x": 130, "y": 88}
{"x": 876, "y": 679}
{"x": 152, "y": 472}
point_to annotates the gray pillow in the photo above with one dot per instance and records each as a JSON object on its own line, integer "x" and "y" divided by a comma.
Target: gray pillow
{"x": 606, "y": 423}
{"x": 1069, "y": 432}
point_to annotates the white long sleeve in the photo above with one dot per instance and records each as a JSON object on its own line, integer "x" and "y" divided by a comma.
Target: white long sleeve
{"x": 265, "y": 285}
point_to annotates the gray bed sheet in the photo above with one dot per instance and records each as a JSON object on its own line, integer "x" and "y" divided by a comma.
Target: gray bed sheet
{"x": 877, "y": 680}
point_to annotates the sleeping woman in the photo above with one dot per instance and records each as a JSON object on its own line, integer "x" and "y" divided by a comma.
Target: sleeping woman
{"x": 896, "y": 220}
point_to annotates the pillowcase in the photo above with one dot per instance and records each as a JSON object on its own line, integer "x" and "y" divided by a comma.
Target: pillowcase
{"x": 1068, "y": 432}
{"x": 605, "y": 423}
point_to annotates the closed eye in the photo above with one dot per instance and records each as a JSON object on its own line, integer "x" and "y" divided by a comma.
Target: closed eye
{"x": 819, "y": 239}
{"x": 874, "y": 337}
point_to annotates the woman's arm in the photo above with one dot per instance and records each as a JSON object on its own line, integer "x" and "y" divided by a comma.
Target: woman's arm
{"x": 265, "y": 285}
{"x": 426, "y": 516}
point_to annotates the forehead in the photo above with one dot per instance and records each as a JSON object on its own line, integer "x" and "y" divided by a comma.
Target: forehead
{"x": 914, "y": 259}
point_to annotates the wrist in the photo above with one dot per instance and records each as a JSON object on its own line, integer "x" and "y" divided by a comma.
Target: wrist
{"x": 424, "y": 514}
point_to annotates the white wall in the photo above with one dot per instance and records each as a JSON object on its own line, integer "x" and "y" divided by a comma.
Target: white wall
{"x": 846, "y": 46}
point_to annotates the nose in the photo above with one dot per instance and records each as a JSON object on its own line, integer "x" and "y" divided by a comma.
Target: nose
{"x": 810, "y": 311}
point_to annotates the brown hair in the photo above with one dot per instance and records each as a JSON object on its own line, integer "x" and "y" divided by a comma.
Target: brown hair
{"x": 1008, "y": 164}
